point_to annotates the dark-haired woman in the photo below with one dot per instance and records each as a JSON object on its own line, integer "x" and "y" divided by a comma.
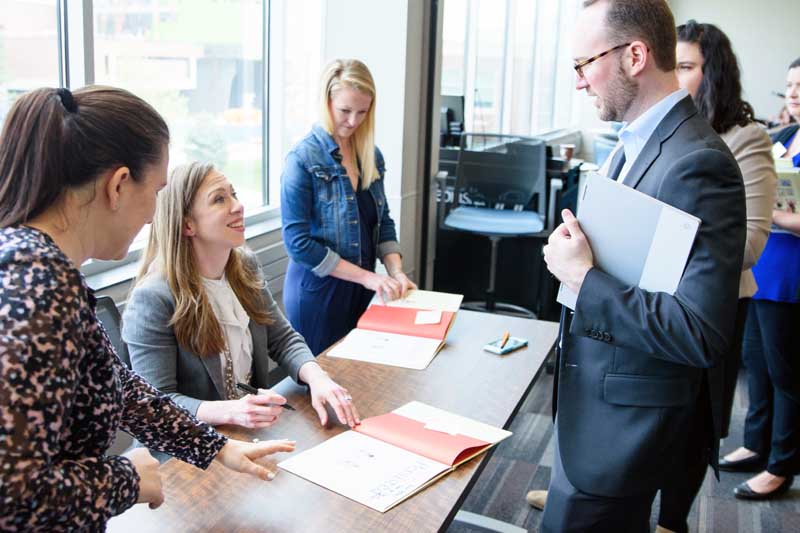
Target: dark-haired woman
{"x": 79, "y": 173}
{"x": 772, "y": 336}
{"x": 707, "y": 67}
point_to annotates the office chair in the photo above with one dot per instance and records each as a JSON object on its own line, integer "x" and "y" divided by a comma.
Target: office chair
{"x": 494, "y": 173}
{"x": 108, "y": 315}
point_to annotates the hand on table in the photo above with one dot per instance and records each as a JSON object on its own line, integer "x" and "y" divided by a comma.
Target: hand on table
{"x": 386, "y": 287}
{"x": 241, "y": 456}
{"x": 405, "y": 283}
{"x": 326, "y": 391}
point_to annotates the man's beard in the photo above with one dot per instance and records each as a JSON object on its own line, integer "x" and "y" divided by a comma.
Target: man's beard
{"x": 622, "y": 91}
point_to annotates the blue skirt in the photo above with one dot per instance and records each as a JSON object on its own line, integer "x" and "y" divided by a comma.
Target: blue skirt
{"x": 322, "y": 310}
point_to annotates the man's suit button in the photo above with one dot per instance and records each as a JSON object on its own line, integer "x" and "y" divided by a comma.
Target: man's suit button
{"x": 595, "y": 334}
{"x": 606, "y": 336}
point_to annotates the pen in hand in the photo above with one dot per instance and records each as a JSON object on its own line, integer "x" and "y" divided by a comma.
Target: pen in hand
{"x": 252, "y": 390}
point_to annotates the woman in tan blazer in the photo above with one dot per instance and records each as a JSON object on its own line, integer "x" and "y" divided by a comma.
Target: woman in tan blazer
{"x": 708, "y": 69}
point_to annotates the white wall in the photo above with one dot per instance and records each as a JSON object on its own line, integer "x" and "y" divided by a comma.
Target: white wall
{"x": 765, "y": 35}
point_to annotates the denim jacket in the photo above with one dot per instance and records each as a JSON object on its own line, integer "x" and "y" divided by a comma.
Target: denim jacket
{"x": 319, "y": 209}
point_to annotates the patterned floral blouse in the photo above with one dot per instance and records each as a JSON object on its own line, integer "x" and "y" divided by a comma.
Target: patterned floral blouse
{"x": 63, "y": 395}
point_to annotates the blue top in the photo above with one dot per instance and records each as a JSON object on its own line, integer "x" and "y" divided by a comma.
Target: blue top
{"x": 319, "y": 209}
{"x": 777, "y": 271}
{"x": 796, "y": 157}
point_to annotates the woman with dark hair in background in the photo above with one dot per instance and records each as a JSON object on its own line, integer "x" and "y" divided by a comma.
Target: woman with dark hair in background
{"x": 79, "y": 174}
{"x": 707, "y": 67}
{"x": 772, "y": 337}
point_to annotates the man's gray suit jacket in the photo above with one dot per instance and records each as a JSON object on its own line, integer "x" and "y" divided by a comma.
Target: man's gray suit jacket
{"x": 632, "y": 372}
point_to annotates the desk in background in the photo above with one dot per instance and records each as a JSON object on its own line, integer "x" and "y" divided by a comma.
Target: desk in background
{"x": 462, "y": 378}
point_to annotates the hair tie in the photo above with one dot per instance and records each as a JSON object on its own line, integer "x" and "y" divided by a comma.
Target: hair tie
{"x": 67, "y": 100}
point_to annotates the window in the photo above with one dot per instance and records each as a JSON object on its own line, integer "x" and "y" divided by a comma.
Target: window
{"x": 488, "y": 71}
{"x": 295, "y": 48}
{"x": 454, "y": 41}
{"x": 200, "y": 64}
{"x": 29, "y": 51}
{"x": 509, "y": 61}
{"x": 236, "y": 80}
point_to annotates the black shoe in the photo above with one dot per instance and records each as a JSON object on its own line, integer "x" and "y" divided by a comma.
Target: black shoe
{"x": 744, "y": 492}
{"x": 753, "y": 463}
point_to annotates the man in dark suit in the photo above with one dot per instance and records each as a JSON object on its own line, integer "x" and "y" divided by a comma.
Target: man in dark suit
{"x": 631, "y": 397}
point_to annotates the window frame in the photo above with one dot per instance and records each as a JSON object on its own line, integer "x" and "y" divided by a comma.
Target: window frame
{"x": 75, "y": 32}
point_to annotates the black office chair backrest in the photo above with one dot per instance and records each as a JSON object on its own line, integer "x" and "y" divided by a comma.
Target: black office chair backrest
{"x": 508, "y": 169}
{"x": 109, "y": 316}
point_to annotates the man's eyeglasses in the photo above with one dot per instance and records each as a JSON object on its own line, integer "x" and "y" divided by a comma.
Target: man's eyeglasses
{"x": 579, "y": 66}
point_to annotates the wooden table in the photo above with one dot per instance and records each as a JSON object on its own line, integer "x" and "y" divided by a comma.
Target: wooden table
{"x": 462, "y": 379}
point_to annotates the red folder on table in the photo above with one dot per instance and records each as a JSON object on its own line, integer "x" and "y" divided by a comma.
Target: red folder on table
{"x": 398, "y": 334}
{"x": 401, "y": 320}
{"x": 391, "y": 457}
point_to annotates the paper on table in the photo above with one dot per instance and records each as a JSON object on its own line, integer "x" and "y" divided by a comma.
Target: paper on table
{"x": 428, "y": 317}
{"x": 414, "y": 436}
{"x": 366, "y": 470}
{"x": 387, "y": 349}
{"x": 418, "y": 299}
{"x": 372, "y": 472}
{"x": 453, "y": 423}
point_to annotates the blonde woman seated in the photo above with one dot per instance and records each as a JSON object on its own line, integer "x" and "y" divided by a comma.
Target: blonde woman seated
{"x": 201, "y": 319}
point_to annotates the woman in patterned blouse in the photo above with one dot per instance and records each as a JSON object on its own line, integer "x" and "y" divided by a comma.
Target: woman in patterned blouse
{"x": 79, "y": 175}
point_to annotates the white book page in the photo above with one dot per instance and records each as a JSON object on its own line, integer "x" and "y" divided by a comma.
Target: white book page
{"x": 447, "y": 422}
{"x": 669, "y": 251}
{"x": 386, "y": 349}
{"x": 646, "y": 244}
{"x": 364, "y": 469}
{"x": 439, "y": 301}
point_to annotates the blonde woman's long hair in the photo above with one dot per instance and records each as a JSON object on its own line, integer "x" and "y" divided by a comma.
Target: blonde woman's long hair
{"x": 352, "y": 73}
{"x": 169, "y": 253}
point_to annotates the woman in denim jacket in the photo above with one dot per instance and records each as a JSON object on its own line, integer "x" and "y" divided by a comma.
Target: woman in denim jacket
{"x": 335, "y": 216}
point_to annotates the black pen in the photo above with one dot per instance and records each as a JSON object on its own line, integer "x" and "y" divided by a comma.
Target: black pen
{"x": 252, "y": 390}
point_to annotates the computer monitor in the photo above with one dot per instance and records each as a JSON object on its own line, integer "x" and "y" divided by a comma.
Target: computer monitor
{"x": 451, "y": 122}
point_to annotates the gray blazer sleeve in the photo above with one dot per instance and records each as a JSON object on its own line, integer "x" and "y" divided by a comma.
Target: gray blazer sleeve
{"x": 285, "y": 345}
{"x": 151, "y": 340}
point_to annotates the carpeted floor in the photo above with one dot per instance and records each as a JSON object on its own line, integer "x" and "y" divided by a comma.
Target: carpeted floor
{"x": 523, "y": 463}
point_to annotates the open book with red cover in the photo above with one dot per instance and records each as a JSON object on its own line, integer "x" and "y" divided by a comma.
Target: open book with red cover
{"x": 390, "y": 457}
{"x": 401, "y": 320}
{"x": 398, "y": 334}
